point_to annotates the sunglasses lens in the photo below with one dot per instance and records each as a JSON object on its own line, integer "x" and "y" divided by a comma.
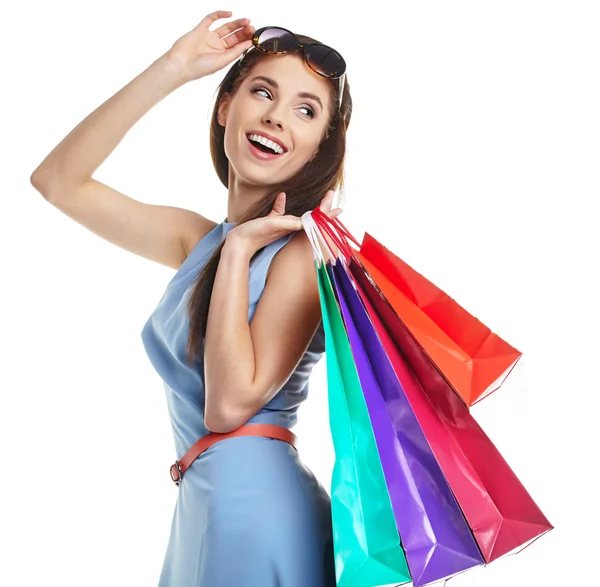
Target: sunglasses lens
{"x": 325, "y": 60}
{"x": 276, "y": 40}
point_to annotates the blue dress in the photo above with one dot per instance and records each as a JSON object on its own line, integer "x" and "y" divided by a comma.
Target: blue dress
{"x": 248, "y": 513}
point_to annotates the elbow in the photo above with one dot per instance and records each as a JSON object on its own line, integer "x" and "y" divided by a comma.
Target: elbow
{"x": 38, "y": 182}
{"x": 222, "y": 421}
{"x": 42, "y": 182}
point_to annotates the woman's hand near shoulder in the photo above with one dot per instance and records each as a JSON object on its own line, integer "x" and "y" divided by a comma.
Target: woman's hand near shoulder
{"x": 258, "y": 233}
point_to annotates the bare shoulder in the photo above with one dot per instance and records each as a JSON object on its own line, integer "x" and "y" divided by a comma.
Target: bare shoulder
{"x": 297, "y": 255}
{"x": 294, "y": 256}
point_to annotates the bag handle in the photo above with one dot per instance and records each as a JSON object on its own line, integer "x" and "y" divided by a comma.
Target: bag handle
{"x": 338, "y": 233}
{"x": 314, "y": 235}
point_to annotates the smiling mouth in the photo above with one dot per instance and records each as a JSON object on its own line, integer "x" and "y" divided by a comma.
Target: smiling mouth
{"x": 269, "y": 149}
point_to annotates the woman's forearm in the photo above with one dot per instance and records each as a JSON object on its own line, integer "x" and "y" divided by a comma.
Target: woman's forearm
{"x": 228, "y": 351}
{"x": 74, "y": 160}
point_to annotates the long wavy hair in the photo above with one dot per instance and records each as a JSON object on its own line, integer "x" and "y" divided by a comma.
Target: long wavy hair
{"x": 304, "y": 191}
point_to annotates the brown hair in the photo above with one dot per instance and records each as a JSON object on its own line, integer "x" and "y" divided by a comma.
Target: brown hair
{"x": 304, "y": 191}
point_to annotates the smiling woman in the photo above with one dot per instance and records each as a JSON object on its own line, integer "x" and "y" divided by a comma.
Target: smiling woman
{"x": 238, "y": 329}
{"x": 277, "y": 141}
{"x": 287, "y": 104}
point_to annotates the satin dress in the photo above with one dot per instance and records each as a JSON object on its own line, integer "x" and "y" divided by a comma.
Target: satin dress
{"x": 248, "y": 513}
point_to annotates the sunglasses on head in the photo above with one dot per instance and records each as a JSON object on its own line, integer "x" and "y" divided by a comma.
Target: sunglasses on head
{"x": 322, "y": 59}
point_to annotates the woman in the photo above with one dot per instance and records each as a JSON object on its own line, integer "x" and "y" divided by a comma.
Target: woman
{"x": 238, "y": 329}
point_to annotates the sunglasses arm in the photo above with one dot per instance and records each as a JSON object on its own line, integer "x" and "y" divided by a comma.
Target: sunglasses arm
{"x": 341, "y": 97}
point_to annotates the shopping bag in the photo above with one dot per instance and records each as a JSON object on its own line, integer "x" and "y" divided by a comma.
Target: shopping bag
{"x": 501, "y": 513}
{"x": 434, "y": 533}
{"x": 367, "y": 546}
{"x": 474, "y": 360}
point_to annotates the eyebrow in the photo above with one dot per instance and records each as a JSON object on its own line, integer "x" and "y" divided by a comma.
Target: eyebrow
{"x": 272, "y": 82}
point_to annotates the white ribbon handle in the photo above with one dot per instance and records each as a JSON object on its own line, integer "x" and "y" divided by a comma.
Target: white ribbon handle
{"x": 314, "y": 235}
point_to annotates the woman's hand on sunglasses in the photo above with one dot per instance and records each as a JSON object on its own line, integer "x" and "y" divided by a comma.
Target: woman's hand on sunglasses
{"x": 258, "y": 233}
{"x": 202, "y": 51}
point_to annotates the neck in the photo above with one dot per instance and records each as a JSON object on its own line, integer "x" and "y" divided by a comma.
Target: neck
{"x": 241, "y": 197}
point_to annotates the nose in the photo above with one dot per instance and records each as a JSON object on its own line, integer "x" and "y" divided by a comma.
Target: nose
{"x": 271, "y": 120}
{"x": 272, "y": 117}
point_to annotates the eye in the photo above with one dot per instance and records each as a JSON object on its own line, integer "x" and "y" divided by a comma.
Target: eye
{"x": 310, "y": 111}
{"x": 260, "y": 89}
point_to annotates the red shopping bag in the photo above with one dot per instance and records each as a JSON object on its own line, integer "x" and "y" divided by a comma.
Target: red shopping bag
{"x": 474, "y": 360}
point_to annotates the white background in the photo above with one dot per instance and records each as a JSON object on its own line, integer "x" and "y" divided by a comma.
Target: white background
{"x": 473, "y": 154}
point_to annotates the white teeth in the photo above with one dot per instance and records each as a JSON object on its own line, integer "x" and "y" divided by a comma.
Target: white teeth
{"x": 264, "y": 141}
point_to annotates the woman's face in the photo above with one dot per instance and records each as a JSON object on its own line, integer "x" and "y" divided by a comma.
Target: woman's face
{"x": 283, "y": 100}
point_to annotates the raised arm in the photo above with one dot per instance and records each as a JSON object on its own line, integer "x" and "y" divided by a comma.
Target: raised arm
{"x": 64, "y": 177}
{"x": 164, "y": 234}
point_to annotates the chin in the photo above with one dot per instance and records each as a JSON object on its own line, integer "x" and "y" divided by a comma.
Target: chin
{"x": 255, "y": 177}
{"x": 256, "y": 173}
{"x": 253, "y": 174}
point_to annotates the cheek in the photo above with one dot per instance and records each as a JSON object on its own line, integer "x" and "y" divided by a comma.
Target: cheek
{"x": 231, "y": 139}
{"x": 307, "y": 139}
{"x": 307, "y": 148}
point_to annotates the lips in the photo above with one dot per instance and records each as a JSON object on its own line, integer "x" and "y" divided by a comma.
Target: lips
{"x": 261, "y": 155}
{"x": 270, "y": 137}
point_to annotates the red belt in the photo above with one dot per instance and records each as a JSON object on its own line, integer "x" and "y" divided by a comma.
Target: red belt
{"x": 265, "y": 430}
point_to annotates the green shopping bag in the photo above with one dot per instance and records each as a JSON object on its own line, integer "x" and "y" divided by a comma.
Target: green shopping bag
{"x": 367, "y": 547}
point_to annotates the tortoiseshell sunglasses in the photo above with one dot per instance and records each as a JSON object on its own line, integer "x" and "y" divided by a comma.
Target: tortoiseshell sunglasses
{"x": 320, "y": 58}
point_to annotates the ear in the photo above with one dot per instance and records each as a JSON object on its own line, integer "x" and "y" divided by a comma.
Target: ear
{"x": 223, "y": 108}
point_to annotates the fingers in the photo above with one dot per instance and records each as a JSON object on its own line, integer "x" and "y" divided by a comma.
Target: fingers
{"x": 236, "y": 51}
{"x": 295, "y": 222}
{"x": 240, "y": 36}
{"x": 279, "y": 204}
{"x": 289, "y": 223}
{"x": 230, "y": 27}
{"x": 212, "y": 17}
{"x": 326, "y": 202}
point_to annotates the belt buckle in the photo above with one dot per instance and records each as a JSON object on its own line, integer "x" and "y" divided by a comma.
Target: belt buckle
{"x": 176, "y": 472}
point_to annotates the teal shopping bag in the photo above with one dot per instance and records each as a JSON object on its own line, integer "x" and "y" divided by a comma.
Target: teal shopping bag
{"x": 367, "y": 546}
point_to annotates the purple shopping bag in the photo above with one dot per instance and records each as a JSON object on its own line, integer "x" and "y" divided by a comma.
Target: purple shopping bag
{"x": 435, "y": 535}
